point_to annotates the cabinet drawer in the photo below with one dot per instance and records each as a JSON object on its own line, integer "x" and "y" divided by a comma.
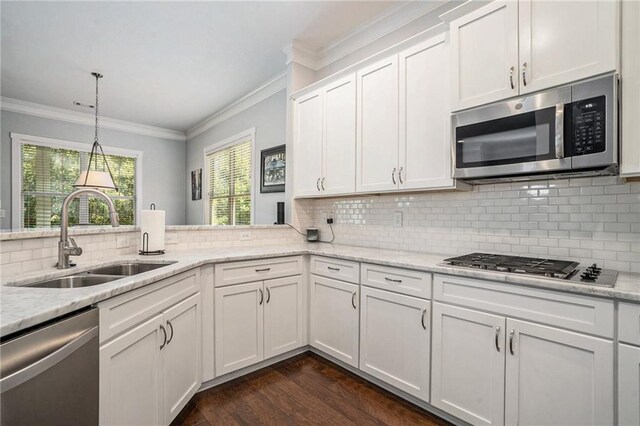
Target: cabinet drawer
{"x": 629, "y": 323}
{"x": 257, "y": 270}
{"x": 405, "y": 281}
{"x": 123, "y": 312}
{"x": 571, "y": 311}
{"x": 334, "y": 268}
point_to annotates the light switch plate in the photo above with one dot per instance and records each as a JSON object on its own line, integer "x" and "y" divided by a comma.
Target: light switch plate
{"x": 122, "y": 241}
{"x": 397, "y": 218}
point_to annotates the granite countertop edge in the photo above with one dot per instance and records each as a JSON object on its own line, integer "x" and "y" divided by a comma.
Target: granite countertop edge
{"x": 24, "y": 307}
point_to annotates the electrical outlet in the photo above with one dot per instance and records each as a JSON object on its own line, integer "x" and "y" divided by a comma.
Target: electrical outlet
{"x": 122, "y": 241}
{"x": 397, "y": 218}
{"x": 329, "y": 218}
{"x": 171, "y": 238}
{"x": 245, "y": 236}
{"x": 2, "y": 214}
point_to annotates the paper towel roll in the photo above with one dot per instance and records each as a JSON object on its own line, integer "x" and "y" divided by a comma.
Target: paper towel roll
{"x": 152, "y": 222}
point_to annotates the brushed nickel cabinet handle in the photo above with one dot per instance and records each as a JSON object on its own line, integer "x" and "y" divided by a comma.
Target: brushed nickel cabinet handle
{"x": 164, "y": 332}
{"x": 497, "y": 338}
{"x": 318, "y": 184}
{"x": 524, "y": 74}
{"x": 424, "y": 312}
{"x": 353, "y": 299}
{"x": 322, "y": 183}
{"x": 171, "y": 327}
{"x": 512, "y": 69}
{"x": 333, "y": 269}
{"x": 261, "y": 296}
{"x": 268, "y": 294}
{"x": 400, "y": 174}
{"x": 393, "y": 176}
{"x": 511, "y": 333}
{"x": 391, "y": 280}
{"x": 263, "y": 270}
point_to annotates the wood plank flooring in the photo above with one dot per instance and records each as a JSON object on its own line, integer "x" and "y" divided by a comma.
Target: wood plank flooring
{"x": 304, "y": 390}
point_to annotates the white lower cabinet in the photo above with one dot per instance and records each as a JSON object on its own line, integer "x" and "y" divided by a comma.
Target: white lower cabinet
{"x": 628, "y": 385}
{"x": 334, "y": 318}
{"x": 467, "y": 370}
{"x": 488, "y": 369}
{"x": 258, "y": 320}
{"x": 395, "y": 340}
{"x": 149, "y": 373}
{"x": 557, "y": 377}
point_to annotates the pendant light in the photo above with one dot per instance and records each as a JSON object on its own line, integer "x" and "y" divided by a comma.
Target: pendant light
{"x": 96, "y": 178}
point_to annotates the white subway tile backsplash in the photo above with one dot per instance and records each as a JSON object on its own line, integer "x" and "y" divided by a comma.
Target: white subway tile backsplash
{"x": 588, "y": 219}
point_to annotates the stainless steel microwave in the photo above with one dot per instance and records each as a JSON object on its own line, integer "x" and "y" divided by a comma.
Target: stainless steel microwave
{"x": 567, "y": 131}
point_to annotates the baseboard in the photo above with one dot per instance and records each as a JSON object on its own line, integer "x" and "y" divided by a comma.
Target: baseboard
{"x": 266, "y": 363}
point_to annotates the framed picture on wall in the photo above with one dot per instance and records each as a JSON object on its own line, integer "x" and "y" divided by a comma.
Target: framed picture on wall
{"x": 196, "y": 184}
{"x": 272, "y": 169}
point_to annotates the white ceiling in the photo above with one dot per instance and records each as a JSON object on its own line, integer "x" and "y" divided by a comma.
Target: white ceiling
{"x": 167, "y": 64}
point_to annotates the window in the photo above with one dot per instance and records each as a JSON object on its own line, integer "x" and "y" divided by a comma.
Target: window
{"x": 228, "y": 175}
{"x": 47, "y": 170}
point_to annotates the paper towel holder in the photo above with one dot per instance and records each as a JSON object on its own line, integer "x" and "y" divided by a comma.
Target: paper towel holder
{"x": 145, "y": 241}
{"x": 145, "y": 246}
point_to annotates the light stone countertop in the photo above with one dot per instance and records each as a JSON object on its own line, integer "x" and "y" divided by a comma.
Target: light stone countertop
{"x": 21, "y": 307}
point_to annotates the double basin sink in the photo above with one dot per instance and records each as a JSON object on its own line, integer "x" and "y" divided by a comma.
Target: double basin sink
{"x": 100, "y": 275}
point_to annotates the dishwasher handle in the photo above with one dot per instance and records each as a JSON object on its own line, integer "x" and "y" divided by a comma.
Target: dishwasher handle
{"x": 21, "y": 376}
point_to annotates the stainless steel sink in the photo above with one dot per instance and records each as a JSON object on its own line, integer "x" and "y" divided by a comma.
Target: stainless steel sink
{"x": 127, "y": 269}
{"x": 75, "y": 281}
{"x": 99, "y": 275}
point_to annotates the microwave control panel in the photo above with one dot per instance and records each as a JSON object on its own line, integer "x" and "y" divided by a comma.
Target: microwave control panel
{"x": 589, "y": 126}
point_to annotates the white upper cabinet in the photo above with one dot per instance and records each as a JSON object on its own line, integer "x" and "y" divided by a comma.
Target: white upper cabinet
{"x": 377, "y": 132}
{"x": 425, "y": 152}
{"x": 339, "y": 142}
{"x": 564, "y": 41}
{"x": 307, "y": 170}
{"x": 630, "y": 74}
{"x": 484, "y": 55}
{"x": 516, "y": 47}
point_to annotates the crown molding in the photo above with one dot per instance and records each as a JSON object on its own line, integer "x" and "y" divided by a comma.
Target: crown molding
{"x": 76, "y": 117}
{"x": 463, "y": 9}
{"x": 303, "y": 55}
{"x": 267, "y": 89}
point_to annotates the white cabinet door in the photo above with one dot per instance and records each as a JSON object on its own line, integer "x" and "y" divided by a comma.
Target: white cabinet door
{"x": 484, "y": 55}
{"x": 238, "y": 326}
{"x": 131, "y": 388}
{"x": 283, "y": 315}
{"x": 377, "y": 135}
{"x": 394, "y": 340}
{"x": 339, "y": 151}
{"x": 467, "y": 369}
{"x": 565, "y": 41}
{"x": 307, "y": 170}
{"x": 181, "y": 355}
{"x": 425, "y": 140}
{"x": 630, "y": 98}
{"x": 557, "y": 377}
{"x": 628, "y": 385}
{"x": 334, "y": 318}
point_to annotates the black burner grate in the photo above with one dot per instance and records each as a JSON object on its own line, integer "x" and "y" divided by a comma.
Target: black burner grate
{"x": 516, "y": 264}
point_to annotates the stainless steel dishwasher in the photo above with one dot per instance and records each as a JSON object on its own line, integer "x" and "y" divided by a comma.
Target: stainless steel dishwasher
{"x": 50, "y": 375}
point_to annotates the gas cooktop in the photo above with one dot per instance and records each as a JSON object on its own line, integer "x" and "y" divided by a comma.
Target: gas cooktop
{"x": 552, "y": 268}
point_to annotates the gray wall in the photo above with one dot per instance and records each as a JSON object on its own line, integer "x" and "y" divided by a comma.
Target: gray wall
{"x": 269, "y": 119}
{"x": 163, "y": 162}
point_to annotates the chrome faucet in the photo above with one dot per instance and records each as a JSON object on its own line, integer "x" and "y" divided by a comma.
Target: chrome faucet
{"x": 64, "y": 250}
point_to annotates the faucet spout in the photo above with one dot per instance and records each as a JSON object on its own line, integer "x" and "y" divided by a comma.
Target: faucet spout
{"x": 64, "y": 250}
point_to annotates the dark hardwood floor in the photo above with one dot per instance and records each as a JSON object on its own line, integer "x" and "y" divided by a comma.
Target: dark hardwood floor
{"x": 304, "y": 390}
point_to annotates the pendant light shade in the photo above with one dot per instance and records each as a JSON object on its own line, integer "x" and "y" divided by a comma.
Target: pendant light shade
{"x": 94, "y": 178}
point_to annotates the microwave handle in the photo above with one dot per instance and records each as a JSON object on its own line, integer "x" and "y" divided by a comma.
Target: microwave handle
{"x": 559, "y": 131}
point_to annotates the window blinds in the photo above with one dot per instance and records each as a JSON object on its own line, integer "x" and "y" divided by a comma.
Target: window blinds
{"x": 229, "y": 172}
{"x": 48, "y": 175}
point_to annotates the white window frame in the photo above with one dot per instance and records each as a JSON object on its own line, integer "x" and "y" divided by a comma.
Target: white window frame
{"x": 17, "y": 139}
{"x": 225, "y": 143}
